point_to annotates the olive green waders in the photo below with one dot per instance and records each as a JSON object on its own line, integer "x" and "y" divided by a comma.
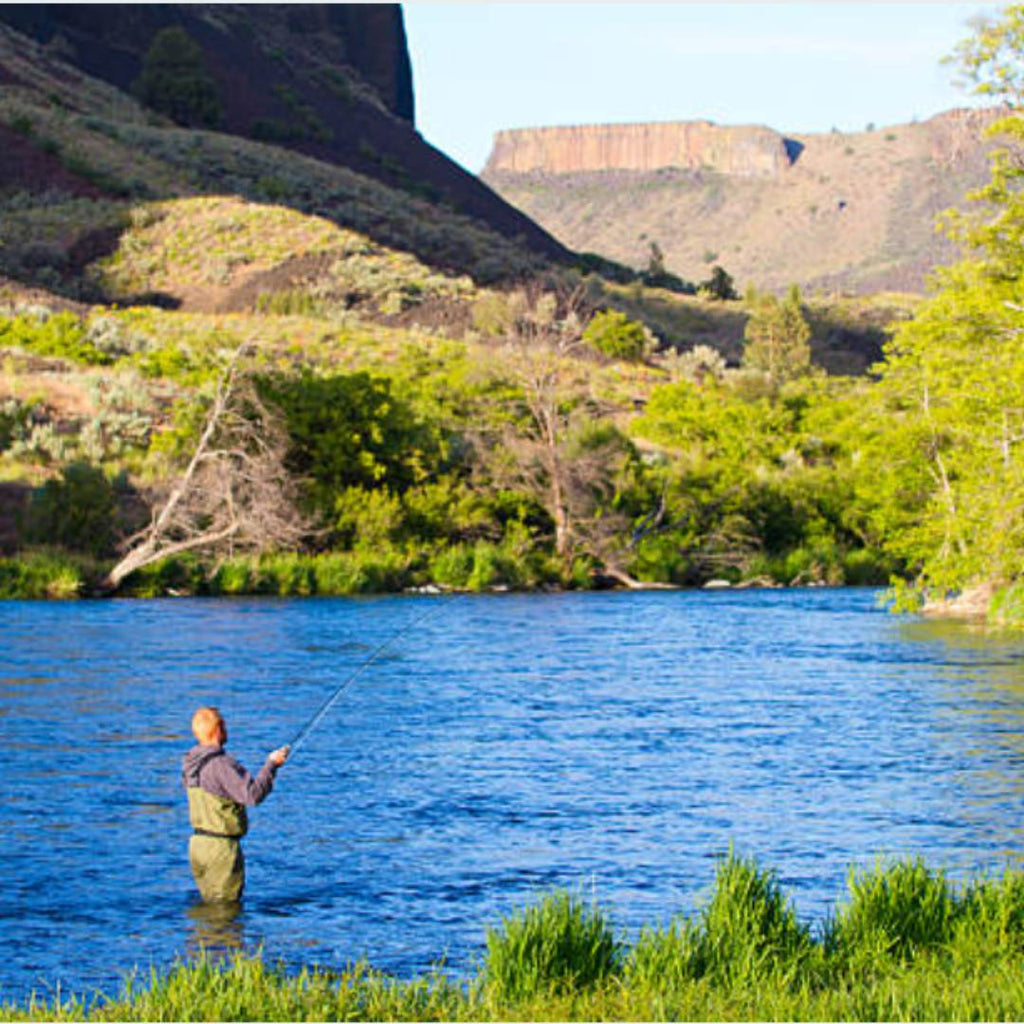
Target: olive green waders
{"x": 215, "y": 849}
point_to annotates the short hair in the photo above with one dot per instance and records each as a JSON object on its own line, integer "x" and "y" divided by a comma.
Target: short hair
{"x": 204, "y": 722}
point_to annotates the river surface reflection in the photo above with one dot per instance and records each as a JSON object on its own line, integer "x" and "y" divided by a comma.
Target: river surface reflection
{"x": 508, "y": 744}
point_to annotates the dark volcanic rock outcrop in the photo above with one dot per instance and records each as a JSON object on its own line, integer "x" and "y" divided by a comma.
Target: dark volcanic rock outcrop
{"x": 329, "y": 80}
{"x": 109, "y": 40}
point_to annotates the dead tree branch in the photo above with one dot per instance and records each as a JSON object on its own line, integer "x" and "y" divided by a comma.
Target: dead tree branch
{"x": 234, "y": 492}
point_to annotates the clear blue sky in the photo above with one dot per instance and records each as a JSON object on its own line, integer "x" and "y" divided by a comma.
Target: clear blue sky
{"x": 795, "y": 67}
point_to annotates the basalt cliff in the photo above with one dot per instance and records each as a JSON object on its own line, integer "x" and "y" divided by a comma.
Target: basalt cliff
{"x": 329, "y": 81}
{"x": 849, "y": 211}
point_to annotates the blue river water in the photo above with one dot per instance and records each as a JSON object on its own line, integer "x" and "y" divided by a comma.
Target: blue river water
{"x": 613, "y": 743}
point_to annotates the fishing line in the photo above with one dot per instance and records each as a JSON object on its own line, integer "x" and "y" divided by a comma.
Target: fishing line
{"x": 329, "y": 703}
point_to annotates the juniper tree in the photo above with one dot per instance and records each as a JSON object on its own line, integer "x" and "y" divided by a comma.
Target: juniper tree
{"x": 777, "y": 338}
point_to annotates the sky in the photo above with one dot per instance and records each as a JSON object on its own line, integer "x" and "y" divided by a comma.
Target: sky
{"x": 795, "y": 67}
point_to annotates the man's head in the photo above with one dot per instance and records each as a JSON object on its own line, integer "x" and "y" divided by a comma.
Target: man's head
{"x": 208, "y": 727}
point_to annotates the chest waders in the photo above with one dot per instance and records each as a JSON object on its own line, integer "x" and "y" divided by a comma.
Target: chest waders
{"x": 215, "y": 848}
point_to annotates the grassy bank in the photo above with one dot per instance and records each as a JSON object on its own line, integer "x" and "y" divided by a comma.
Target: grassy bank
{"x": 904, "y": 944}
{"x": 478, "y": 566}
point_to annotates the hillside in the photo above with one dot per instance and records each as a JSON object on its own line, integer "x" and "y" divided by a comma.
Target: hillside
{"x": 847, "y": 211}
{"x": 435, "y": 402}
{"x": 329, "y": 82}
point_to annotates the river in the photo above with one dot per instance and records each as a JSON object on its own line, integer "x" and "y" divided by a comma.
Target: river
{"x": 611, "y": 743}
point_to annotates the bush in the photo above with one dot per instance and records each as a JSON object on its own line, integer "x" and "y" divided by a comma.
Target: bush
{"x": 616, "y": 336}
{"x": 1007, "y": 606}
{"x": 864, "y": 567}
{"x": 452, "y": 566}
{"x": 175, "y": 82}
{"x": 76, "y": 512}
{"x": 561, "y": 944}
{"x": 718, "y": 286}
{"x": 41, "y": 574}
{"x": 367, "y": 518}
{"x": 178, "y": 575}
{"x": 62, "y": 335}
{"x": 17, "y": 419}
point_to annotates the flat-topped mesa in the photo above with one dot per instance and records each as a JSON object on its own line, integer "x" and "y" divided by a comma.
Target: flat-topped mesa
{"x": 745, "y": 151}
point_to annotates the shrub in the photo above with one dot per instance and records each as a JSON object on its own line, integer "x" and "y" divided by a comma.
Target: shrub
{"x": 718, "y": 286}
{"x": 452, "y": 566}
{"x": 62, "y": 335}
{"x": 175, "y": 82}
{"x": 618, "y": 337}
{"x": 232, "y": 577}
{"x": 865, "y": 567}
{"x": 1007, "y": 606}
{"x": 16, "y": 421}
{"x": 76, "y": 511}
{"x": 41, "y": 574}
{"x": 114, "y": 338}
{"x": 178, "y": 575}
{"x": 697, "y": 365}
{"x": 558, "y": 945}
{"x": 495, "y": 313}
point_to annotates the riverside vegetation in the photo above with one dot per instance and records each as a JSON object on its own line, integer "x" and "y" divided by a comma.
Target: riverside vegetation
{"x": 905, "y": 944}
{"x": 514, "y": 425}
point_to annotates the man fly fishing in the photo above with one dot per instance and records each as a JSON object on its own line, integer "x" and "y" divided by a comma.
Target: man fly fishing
{"x": 219, "y": 789}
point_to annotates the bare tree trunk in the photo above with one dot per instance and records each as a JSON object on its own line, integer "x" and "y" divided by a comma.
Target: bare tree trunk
{"x": 234, "y": 491}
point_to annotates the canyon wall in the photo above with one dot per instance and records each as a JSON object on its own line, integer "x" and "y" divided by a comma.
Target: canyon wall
{"x": 848, "y": 210}
{"x": 746, "y": 151}
{"x": 332, "y": 81}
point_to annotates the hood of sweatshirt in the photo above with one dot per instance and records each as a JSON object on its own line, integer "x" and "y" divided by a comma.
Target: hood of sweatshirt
{"x": 193, "y": 761}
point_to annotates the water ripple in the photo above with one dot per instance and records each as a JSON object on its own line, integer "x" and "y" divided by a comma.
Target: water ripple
{"x": 615, "y": 743}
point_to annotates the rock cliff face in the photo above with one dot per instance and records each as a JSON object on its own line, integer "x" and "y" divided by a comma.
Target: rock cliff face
{"x": 109, "y": 40}
{"x": 332, "y": 81}
{"x": 748, "y": 151}
{"x": 854, "y": 211}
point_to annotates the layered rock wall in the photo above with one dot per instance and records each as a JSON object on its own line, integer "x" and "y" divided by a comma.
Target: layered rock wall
{"x": 747, "y": 151}
{"x": 108, "y": 41}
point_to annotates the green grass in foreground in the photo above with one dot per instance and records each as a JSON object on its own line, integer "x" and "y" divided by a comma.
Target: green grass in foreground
{"x": 904, "y": 945}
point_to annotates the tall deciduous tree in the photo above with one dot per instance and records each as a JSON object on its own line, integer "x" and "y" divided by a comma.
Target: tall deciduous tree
{"x": 947, "y": 474}
{"x": 555, "y": 449}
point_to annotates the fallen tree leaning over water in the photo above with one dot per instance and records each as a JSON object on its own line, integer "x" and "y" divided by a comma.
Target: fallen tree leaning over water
{"x": 234, "y": 494}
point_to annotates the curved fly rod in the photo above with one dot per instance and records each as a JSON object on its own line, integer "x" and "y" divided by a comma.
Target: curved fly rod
{"x": 332, "y": 699}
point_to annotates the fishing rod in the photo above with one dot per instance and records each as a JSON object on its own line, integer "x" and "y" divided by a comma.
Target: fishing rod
{"x": 338, "y": 691}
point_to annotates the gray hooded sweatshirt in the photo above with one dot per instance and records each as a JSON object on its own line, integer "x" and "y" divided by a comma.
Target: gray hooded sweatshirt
{"x": 213, "y": 769}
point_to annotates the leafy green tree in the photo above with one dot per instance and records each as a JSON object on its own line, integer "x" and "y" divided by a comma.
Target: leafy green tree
{"x": 947, "y": 484}
{"x": 618, "y": 337}
{"x": 350, "y": 431}
{"x": 778, "y": 338}
{"x": 990, "y": 60}
{"x": 175, "y": 81}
